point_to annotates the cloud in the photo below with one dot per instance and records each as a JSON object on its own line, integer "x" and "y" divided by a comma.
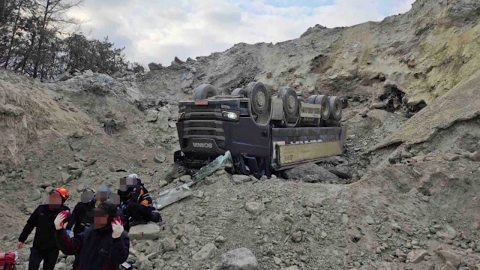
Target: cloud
{"x": 157, "y": 31}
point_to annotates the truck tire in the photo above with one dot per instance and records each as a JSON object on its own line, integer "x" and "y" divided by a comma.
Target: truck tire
{"x": 204, "y": 91}
{"x": 259, "y": 99}
{"x": 311, "y": 99}
{"x": 323, "y": 100}
{"x": 238, "y": 92}
{"x": 290, "y": 102}
{"x": 336, "y": 108}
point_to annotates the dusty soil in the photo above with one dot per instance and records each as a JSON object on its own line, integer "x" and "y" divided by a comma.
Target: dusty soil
{"x": 412, "y": 149}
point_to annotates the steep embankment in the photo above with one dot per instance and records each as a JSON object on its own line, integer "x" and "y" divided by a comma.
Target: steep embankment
{"x": 417, "y": 214}
{"x": 400, "y": 65}
{"x": 30, "y": 115}
{"x": 52, "y": 135}
{"x": 412, "y": 50}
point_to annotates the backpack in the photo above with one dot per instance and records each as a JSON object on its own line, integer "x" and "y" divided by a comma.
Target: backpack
{"x": 7, "y": 260}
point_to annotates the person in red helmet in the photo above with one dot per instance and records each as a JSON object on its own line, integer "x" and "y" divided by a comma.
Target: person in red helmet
{"x": 44, "y": 246}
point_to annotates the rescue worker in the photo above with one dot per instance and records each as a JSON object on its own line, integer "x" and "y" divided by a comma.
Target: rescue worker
{"x": 44, "y": 247}
{"x": 125, "y": 192}
{"x": 82, "y": 216}
{"x": 103, "y": 246}
{"x": 140, "y": 205}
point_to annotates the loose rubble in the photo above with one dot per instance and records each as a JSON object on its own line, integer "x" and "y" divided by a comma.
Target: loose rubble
{"x": 404, "y": 195}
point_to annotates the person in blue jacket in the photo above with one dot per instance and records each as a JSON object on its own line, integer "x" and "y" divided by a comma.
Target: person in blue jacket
{"x": 103, "y": 246}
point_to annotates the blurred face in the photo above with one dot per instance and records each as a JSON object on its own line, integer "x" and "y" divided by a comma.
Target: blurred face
{"x": 115, "y": 198}
{"x": 123, "y": 184}
{"x": 131, "y": 182}
{"x": 87, "y": 196}
{"x": 103, "y": 196}
{"x": 100, "y": 219}
{"x": 54, "y": 200}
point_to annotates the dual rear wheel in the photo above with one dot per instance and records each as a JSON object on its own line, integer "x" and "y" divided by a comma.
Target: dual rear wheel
{"x": 260, "y": 102}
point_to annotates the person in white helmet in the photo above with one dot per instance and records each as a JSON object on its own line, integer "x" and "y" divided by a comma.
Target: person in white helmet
{"x": 140, "y": 205}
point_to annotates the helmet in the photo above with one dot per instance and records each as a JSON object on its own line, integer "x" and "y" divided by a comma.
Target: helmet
{"x": 63, "y": 192}
{"x": 103, "y": 189}
{"x": 132, "y": 176}
{"x": 132, "y": 180}
{"x": 88, "y": 196}
{"x": 89, "y": 189}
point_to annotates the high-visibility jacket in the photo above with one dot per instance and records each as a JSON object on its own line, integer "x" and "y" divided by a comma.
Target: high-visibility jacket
{"x": 141, "y": 195}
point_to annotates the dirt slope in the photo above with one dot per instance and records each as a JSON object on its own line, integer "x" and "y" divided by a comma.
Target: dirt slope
{"x": 459, "y": 104}
{"x": 29, "y": 116}
{"x": 413, "y": 201}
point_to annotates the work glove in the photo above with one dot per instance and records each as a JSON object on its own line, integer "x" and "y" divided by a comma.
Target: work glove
{"x": 117, "y": 227}
{"x": 59, "y": 220}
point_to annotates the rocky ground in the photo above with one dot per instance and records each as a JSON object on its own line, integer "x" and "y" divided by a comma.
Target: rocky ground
{"x": 404, "y": 195}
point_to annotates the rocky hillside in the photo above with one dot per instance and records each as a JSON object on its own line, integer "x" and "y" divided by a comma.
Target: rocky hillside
{"x": 404, "y": 196}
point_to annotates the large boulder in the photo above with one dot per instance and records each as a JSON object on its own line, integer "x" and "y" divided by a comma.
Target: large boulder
{"x": 154, "y": 66}
{"x": 152, "y": 115}
{"x": 206, "y": 252}
{"x": 148, "y": 231}
{"x": 239, "y": 259}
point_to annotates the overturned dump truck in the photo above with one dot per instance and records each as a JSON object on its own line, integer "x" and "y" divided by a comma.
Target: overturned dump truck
{"x": 263, "y": 133}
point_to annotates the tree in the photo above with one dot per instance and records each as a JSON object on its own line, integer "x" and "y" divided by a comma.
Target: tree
{"x": 53, "y": 13}
{"x": 34, "y": 41}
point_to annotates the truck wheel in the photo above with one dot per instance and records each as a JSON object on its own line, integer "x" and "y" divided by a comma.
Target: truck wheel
{"x": 311, "y": 99}
{"x": 323, "y": 100}
{"x": 336, "y": 106}
{"x": 238, "y": 92}
{"x": 326, "y": 107}
{"x": 204, "y": 91}
{"x": 290, "y": 102}
{"x": 259, "y": 99}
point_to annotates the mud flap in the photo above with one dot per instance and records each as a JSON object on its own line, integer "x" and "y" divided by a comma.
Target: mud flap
{"x": 177, "y": 157}
{"x": 247, "y": 165}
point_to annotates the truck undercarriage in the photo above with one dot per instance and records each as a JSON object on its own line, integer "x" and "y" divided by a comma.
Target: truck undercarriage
{"x": 263, "y": 134}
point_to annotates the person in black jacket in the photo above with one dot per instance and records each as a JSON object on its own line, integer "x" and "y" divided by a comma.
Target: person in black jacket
{"x": 140, "y": 205}
{"x": 44, "y": 245}
{"x": 124, "y": 192}
{"x": 103, "y": 246}
{"x": 82, "y": 216}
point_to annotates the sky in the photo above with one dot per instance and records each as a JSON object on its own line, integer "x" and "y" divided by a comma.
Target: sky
{"x": 158, "y": 30}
